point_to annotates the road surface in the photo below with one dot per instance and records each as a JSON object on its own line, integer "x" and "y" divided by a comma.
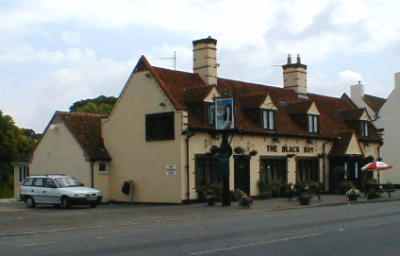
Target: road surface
{"x": 365, "y": 229}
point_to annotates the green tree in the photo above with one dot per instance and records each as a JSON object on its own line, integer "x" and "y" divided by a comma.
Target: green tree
{"x": 99, "y": 105}
{"x": 15, "y": 144}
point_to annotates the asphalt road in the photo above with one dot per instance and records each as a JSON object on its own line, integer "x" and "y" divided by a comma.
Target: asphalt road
{"x": 367, "y": 229}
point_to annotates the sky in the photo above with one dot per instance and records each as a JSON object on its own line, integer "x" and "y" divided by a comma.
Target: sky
{"x": 55, "y": 52}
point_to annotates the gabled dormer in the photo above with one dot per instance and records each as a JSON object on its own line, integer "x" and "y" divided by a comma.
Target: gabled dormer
{"x": 307, "y": 115}
{"x": 261, "y": 109}
{"x": 201, "y": 101}
{"x": 268, "y": 114}
{"x": 359, "y": 120}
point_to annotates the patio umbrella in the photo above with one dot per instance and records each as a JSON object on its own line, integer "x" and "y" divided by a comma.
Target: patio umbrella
{"x": 376, "y": 166}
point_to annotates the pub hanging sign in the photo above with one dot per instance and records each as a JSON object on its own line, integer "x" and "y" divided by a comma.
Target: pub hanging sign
{"x": 290, "y": 149}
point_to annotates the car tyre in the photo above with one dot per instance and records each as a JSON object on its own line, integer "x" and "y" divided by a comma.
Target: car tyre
{"x": 93, "y": 205}
{"x": 65, "y": 203}
{"x": 30, "y": 202}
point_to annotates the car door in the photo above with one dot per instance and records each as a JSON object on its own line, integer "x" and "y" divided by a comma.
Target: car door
{"x": 50, "y": 192}
{"x": 37, "y": 190}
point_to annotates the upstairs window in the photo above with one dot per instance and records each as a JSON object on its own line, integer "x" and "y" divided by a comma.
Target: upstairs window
{"x": 313, "y": 124}
{"x": 160, "y": 126}
{"x": 268, "y": 118}
{"x": 102, "y": 167}
{"x": 211, "y": 114}
{"x": 364, "y": 128}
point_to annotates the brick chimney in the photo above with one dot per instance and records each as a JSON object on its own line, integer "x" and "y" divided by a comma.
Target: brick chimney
{"x": 205, "y": 59}
{"x": 295, "y": 75}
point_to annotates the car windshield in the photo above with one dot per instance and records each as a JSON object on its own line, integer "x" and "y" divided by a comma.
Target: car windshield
{"x": 64, "y": 182}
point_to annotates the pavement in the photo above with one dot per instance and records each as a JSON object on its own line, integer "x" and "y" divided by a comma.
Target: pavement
{"x": 268, "y": 228}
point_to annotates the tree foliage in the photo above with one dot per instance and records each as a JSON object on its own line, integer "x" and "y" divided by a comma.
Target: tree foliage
{"x": 99, "y": 105}
{"x": 15, "y": 144}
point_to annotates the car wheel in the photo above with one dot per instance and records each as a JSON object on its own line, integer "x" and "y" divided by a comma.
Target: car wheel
{"x": 93, "y": 205}
{"x": 30, "y": 202}
{"x": 65, "y": 203}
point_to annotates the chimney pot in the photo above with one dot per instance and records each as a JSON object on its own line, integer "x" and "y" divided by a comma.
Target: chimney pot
{"x": 298, "y": 59}
{"x": 289, "y": 59}
{"x": 295, "y": 75}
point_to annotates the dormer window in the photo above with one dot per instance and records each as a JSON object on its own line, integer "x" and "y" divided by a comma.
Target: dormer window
{"x": 268, "y": 118}
{"x": 364, "y": 128}
{"x": 313, "y": 124}
{"x": 211, "y": 114}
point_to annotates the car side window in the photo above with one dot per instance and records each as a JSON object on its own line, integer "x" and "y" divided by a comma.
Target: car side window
{"x": 38, "y": 182}
{"x": 49, "y": 183}
{"x": 27, "y": 182}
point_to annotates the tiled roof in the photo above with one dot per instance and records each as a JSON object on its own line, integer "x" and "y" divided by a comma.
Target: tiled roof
{"x": 375, "y": 103}
{"x": 86, "y": 129}
{"x": 340, "y": 146}
{"x": 175, "y": 83}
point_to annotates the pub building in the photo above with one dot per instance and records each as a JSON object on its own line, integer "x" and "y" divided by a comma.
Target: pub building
{"x": 165, "y": 129}
{"x": 280, "y": 135}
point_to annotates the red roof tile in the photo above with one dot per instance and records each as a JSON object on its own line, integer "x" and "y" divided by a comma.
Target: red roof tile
{"x": 86, "y": 129}
{"x": 176, "y": 83}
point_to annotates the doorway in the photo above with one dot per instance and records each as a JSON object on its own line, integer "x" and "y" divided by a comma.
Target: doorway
{"x": 242, "y": 173}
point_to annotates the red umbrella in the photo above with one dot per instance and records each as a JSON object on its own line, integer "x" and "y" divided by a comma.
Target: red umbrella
{"x": 376, "y": 166}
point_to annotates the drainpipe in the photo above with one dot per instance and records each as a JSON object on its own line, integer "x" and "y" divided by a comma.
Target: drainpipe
{"x": 187, "y": 166}
{"x": 324, "y": 159}
{"x": 92, "y": 174}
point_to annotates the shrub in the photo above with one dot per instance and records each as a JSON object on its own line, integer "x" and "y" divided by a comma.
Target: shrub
{"x": 346, "y": 186}
{"x": 305, "y": 198}
{"x": 244, "y": 200}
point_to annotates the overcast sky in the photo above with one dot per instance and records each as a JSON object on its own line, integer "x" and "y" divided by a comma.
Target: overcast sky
{"x": 54, "y": 52}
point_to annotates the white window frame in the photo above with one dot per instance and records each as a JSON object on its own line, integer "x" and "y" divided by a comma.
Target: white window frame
{"x": 268, "y": 118}
{"x": 364, "y": 129}
{"x": 313, "y": 123}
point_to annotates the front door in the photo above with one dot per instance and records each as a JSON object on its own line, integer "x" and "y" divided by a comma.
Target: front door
{"x": 242, "y": 173}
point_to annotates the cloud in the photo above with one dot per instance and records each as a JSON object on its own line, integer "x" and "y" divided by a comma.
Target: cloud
{"x": 71, "y": 38}
{"x": 81, "y": 73}
{"x": 350, "y": 77}
{"x": 49, "y": 42}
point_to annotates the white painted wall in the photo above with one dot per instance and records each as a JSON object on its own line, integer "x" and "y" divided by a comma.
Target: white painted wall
{"x": 391, "y": 121}
{"x": 59, "y": 153}
{"x": 134, "y": 158}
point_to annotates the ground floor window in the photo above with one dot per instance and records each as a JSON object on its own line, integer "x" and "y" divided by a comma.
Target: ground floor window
{"x": 346, "y": 172}
{"x": 206, "y": 172}
{"x": 273, "y": 170}
{"x": 23, "y": 172}
{"x": 308, "y": 170}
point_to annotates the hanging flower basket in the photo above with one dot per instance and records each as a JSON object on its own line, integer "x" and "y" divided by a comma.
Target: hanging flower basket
{"x": 239, "y": 150}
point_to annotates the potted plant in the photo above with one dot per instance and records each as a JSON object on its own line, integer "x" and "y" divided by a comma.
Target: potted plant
{"x": 238, "y": 150}
{"x": 346, "y": 186}
{"x": 353, "y": 194}
{"x": 210, "y": 192}
{"x": 245, "y": 201}
{"x": 305, "y": 196}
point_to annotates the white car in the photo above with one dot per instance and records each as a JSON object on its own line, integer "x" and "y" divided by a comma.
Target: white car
{"x": 58, "y": 190}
